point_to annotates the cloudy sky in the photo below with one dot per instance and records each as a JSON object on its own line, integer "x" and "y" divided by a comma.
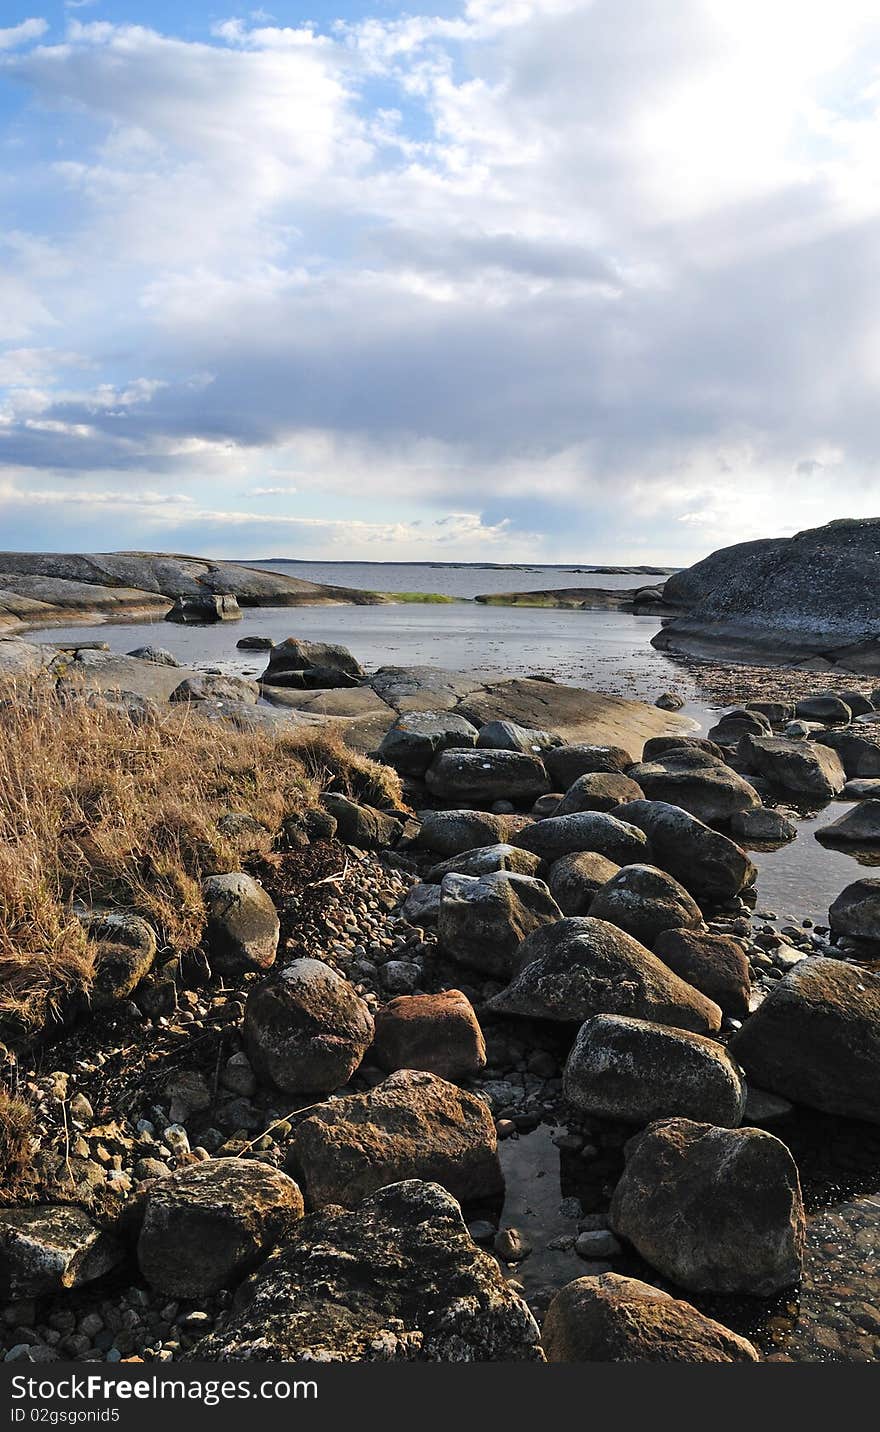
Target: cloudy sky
{"x": 541, "y": 279}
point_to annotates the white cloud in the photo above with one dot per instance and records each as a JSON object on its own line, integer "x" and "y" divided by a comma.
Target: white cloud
{"x": 14, "y": 35}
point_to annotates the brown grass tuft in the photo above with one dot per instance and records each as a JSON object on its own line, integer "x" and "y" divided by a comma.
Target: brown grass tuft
{"x": 16, "y": 1142}
{"x": 97, "y": 809}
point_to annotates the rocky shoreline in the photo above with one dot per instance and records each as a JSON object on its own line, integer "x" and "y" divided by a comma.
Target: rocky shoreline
{"x": 551, "y": 934}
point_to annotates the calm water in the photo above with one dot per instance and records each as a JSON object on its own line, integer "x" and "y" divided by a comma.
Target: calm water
{"x": 451, "y": 580}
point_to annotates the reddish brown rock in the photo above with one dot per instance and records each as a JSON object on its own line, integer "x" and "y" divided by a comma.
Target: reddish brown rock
{"x": 436, "y": 1032}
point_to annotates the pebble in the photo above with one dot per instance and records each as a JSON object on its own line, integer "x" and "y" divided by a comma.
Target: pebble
{"x": 597, "y": 1243}
{"x": 511, "y": 1246}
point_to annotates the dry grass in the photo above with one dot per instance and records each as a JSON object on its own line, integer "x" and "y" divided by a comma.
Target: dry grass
{"x": 97, "y": 809}
{"x": 16, "y": 1141}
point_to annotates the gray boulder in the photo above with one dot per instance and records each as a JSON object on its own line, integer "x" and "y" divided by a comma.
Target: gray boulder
{"x": 159, "y": 655}
{"x": 711, "y": 867}
{"x": 855, "y": 913}
{"x": 574, "y": 880}
{"x": 125, "y": 948}
{"x": 715, "y": 1210}
{"x": 736, "y": 724}
{"x": 307, "y": 1029}
{"x": 412, "y": 1125}
{"x": 644, "y": 901}
{"x": 294, "y": 656}
{"x": 361, "y": 825}
{"x": 714, "y": 964}
{"x": 484, "y": 919}
{"x": 762, "y": 826}
{"x": 397, "y": 1280}
{"x": 208, "y": 1224}
{"x": 242, "y": 927}
{"x": 805, "y": 767}
{"x": 862, "y": 789}
{"x": 858, "y": 749}
{"x": 203, "y": 608}
{"x": 828, "y": 708}
{"x": 211, "y": 686}
{"x": 416, "y": 737}
{"x": 816, "y": 1039}
{"x": 600, "y": 790}
{"x": 567, "y": 763}
{"x": 509, "y": 736}
{"x": 484, "y": 860}
{"x": 422, "y": 905}
{"x": 859, "y": 826}
{"x": 616, "y": 1319}
{"x": 48, "y": 1248}
{"x": 486, "y": 776}
{"x": 636, "y": 1071}
{"x": 579, "y": 967}
{"x": 593, "y": 831}
{"x": 451, "y": 832}
{"x": 692, "y": 780}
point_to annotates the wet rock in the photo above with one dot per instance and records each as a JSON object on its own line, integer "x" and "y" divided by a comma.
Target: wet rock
{"x": 361, "y": 825}
{"x": 777, "y": 712}
{"x": 816, "y": 1039}
{"x": 867, "y": 788}
{"x": 422, "y": 905}
{"x": 662, "y": 745}
{"x": 714, "y": 964}
{"x": 635, "y": 1071}
{"x": 575, "y": 879}
{"x": 858, "y": 749}
{"x": 484, "y": 859}
{"x": 736, "y": 724}
{"x": 451, "y": 832}
{"x": 306, "y": 1029}
{"x": 509, "y": 736}
{"x": 805, "y": 767}
{"x": 616, "y": 1319}
{"x": 669, "y": 701}
{"x": 827, "y": 708}
{"x": 439, "y": 1033}
{"x": 594, "y": 831}
{"x": 157, "y": 654}
{"x": 416, "y": 737}
{"x": 706, "y": 788}
{"x": 483, "y": 920}
{"x": 709, "y": 865}
{"x": 856, "y": 911}
{"x": 644, "y": 901}
{"x": 397, "y": 1280}
{"x": 715, "y": 1210}
{"x": 486, "y": 776}
{"x": 255, "y": 643}
{"x": 208, "y": 1224}
{"x": 567, "y": 763}
{"x": 125, "y": 948}
{"x": 412, "y": 1125}
{"x": 580, "y": 967}
{"x": 859, "y": 826}
{"x": 242, "y": 928}
{"x": 206, "y": 607}
{"x": 326, "y": 663}
{"x": 210, "y": 686}
{"x": 600, "y": 790}
{"x": 48, "y": 1248}
{"x": 762, "y": 825}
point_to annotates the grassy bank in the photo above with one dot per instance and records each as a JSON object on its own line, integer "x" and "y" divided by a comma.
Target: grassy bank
{"x": 418, "y": 597}
{"x": 97, "y": 809}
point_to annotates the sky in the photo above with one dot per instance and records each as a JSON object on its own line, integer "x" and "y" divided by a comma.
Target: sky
{"x": 504, "y": 280}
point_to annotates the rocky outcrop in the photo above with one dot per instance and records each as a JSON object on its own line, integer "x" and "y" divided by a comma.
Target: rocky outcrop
{"x": 783, "y": 599}
{"x": 716, "y": 1210}
{"x": 637, "y": 1071}
{"x": 615, "y": 1319}
{"x": 413, "y": 1125}
{"x": 580, "y": 967}
{"x": 397, "y": 1280}
{"x": 207, "y": 1225}
{"x": 816, "y": 1039}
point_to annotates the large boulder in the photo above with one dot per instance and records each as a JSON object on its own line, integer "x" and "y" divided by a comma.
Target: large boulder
{"x": 714, "y": 1210}
{"x": 736, "y": 724}
{"x": 663, "y": 745}
{"x": 580, "y": 967}
{"x": 616, "y": 1319}
{"x": 826, "y": 707}
{"x": 397, "y": 1280}
{"x": 361, "y": 825}
{"x": 816, "y": 1039}
{"x": 242, "y": 928}
{"x": 574, "y": 880}
{"x": 159, "y": 655}
{"x": 762, "y": 826}
{"x": 416, "y": 737}
{"x": 803, "y": 767}
{"x": 213, "y": 686}
{"x": 709, "y": 865}
{"x": 589, "y": 830}
{"x": 484, "y": 860}
{"x": 47, "y": 1249}
{"x": 436, "y": 1032}
{"x": 858, "y": 748}
{"x": 125, "y": 948}
{"x": 412, "y": 1125}
{"x": 486, "y": 776}
{"x": 306, "y": 1029}
{"x": 859, "y": 826}
{"x": 707, "y": 789}
{"x": 509, "y": 736}
{"x": 599, "y": 790}
{"x": 484, "y": 919}
{"x": 644, "y": 901}
{"x": 203, "y": 608}
{"x": 567, "y": 763}
{"x": 317, "y": 663}
{"x": 208, "y": 1224}
{"x": 855, "y": 913}
{"x": 637, "y": 1071}
{"x": 714, "y": 964}
{"x": 450, "y": 832}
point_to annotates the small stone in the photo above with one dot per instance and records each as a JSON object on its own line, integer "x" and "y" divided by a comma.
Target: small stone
{"x": 597, "y": 1243}
{"x": 511, "y": 1246}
